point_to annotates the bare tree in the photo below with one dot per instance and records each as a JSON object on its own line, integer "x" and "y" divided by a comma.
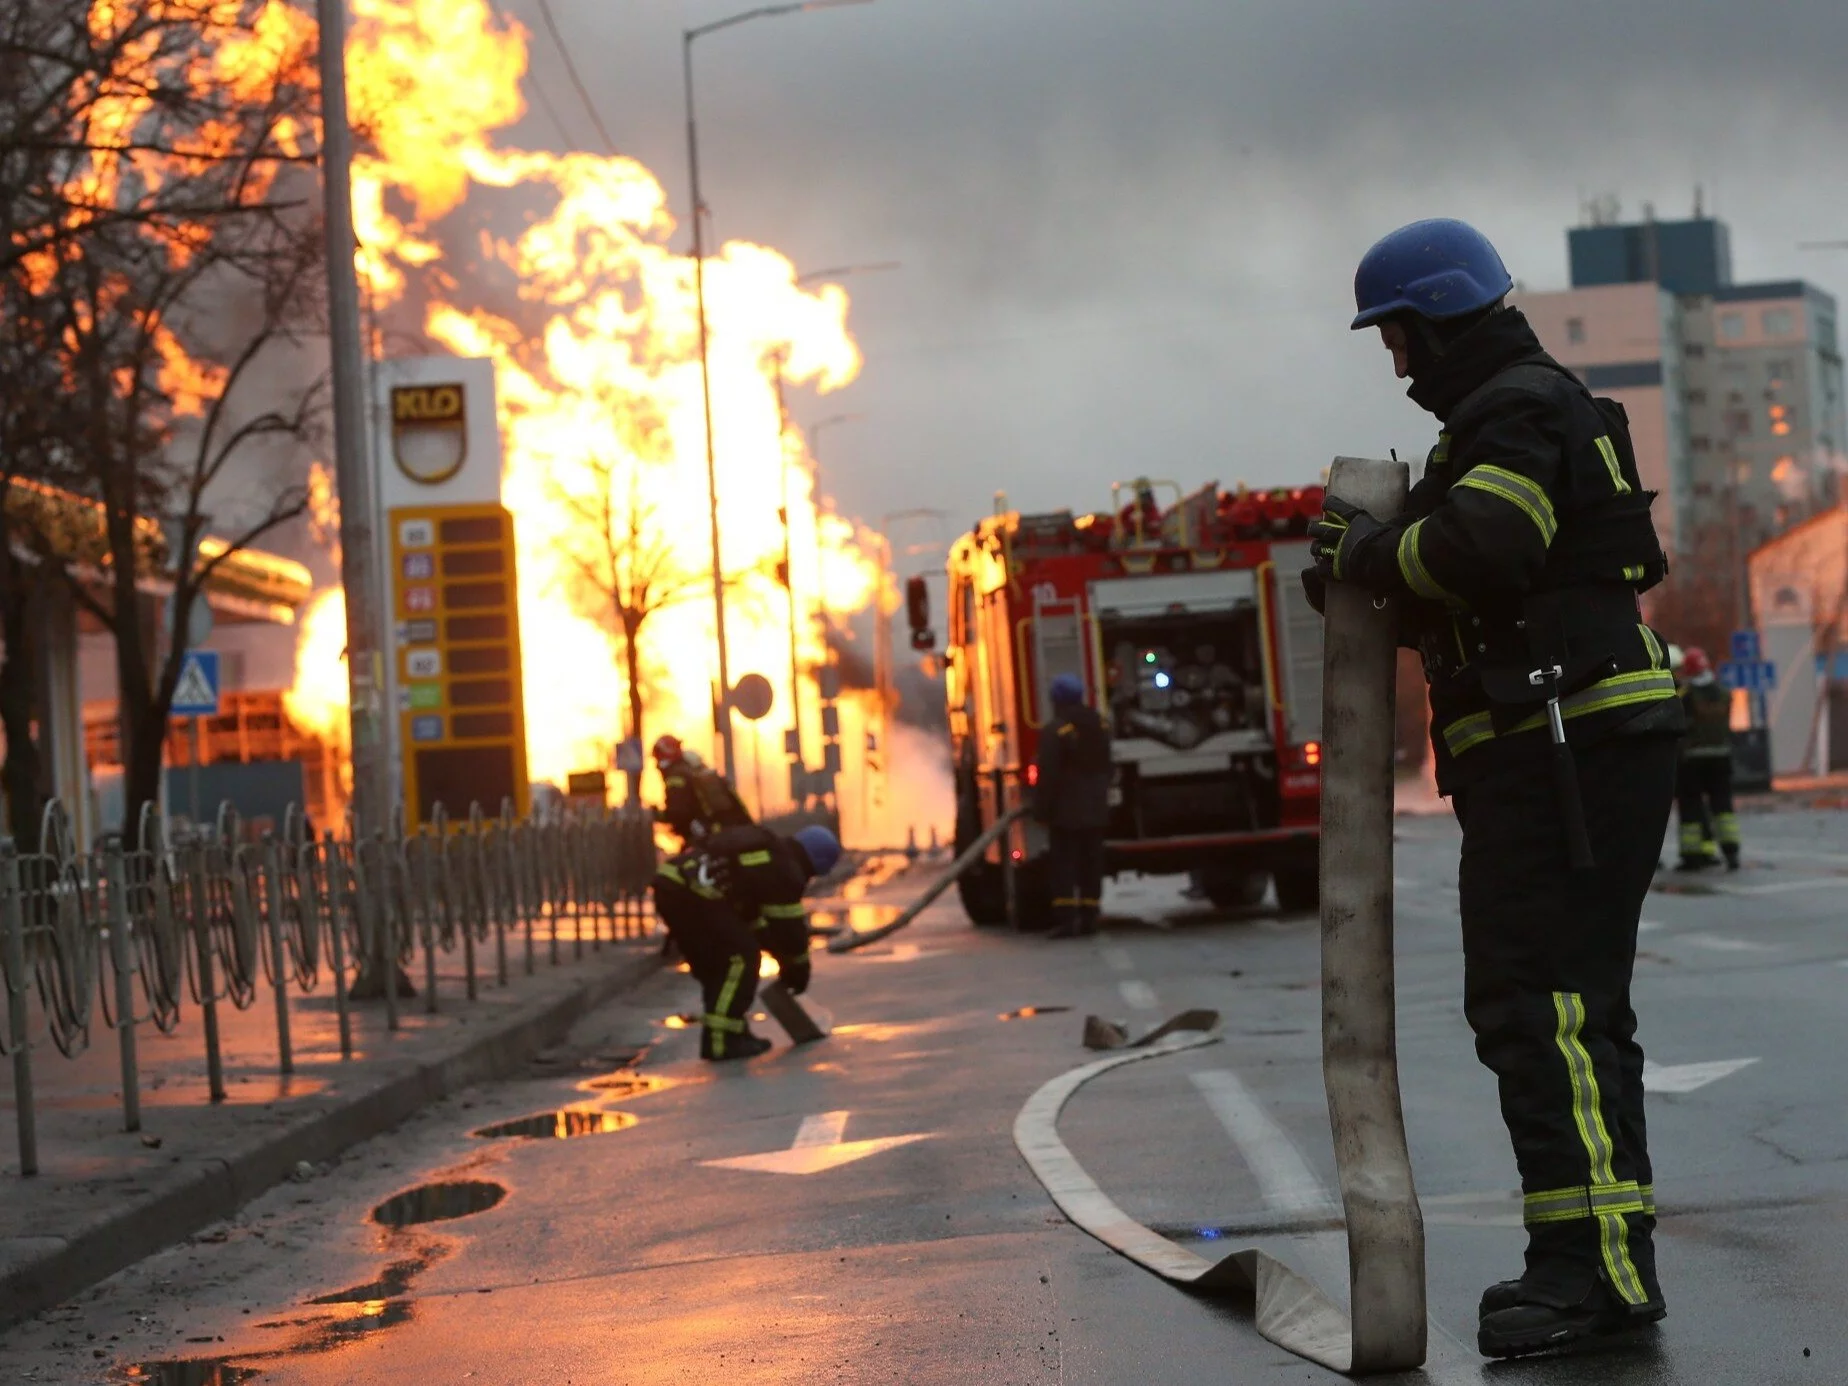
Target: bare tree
{"x": 626, "y": 572}
{"x": 166, "y": 262}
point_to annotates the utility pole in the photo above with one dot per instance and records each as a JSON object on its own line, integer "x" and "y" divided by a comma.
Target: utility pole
{"x": 365, "y": 662}
{"x": 798, "y": 763}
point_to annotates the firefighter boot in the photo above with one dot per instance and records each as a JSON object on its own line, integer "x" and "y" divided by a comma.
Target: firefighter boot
{"x": 1517, "y": 1318}
{"x": 1732, "y": 856}
{"x": 719, "y": 1046}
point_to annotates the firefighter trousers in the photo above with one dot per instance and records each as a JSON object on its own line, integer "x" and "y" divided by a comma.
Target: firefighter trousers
{"x": 1547, "y": 958}
{"x": 1075, "y": 873}
{"x": 1704, "y": 804}
{"x": 721, "y": 949}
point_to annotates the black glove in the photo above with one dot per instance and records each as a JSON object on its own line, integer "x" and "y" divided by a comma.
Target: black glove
{"x": 1315, "y": 587}
{"x": 796, "y": 974}
{"x": 1349, "y": 545}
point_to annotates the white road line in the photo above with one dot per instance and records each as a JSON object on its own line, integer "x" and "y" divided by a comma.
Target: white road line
{"x": 1284, "y": 1177}
{"x": 1138, "y": 994}
{"x": 1117, "y": 959}
{"x": 1719, "y": 943}
{"x": 823, "y": 1128}
{"x": 1689, "y": 1077}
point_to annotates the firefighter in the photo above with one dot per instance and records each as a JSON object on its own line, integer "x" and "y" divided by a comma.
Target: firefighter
{"x": 732, "y": 897}
{"x": 1704, "y": 795}
{"x": 696, "y": 800}
{"x": 1556, "y": 728}
{"x": 1071, "y": 796}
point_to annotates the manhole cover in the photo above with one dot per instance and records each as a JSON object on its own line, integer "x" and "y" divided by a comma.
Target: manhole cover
{"x": 456, "y": 1198}
{"x": 561, "y": 1126}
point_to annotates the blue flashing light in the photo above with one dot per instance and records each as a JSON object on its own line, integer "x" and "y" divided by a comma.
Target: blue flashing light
{"x": 1162, "y": 680}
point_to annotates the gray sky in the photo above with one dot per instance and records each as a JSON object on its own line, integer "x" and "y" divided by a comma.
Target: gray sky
{"x": 1128, "y": 230}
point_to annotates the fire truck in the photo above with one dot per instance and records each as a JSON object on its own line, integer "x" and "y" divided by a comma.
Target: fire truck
{"x": 1187, "y": 623}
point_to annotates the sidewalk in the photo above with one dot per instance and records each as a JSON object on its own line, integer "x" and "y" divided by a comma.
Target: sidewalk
{"x": 106, "y": 1198}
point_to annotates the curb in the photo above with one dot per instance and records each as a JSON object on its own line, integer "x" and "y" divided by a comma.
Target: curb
{"x": 217, "y": 1187}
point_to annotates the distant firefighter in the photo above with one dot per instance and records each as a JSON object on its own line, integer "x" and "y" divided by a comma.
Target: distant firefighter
{"x": 1703, "y": 790}
{"x": 697, "y": 801}
{"x": 1071, "y": 796}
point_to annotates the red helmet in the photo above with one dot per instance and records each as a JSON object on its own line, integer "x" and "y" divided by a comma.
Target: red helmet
{"x": 667, "y": 750}
{"x": 1694, "y": 662}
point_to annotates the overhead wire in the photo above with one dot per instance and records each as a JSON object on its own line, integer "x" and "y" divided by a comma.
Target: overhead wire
{"x": 565, "y": 141}
{"x": 590, "y": 109}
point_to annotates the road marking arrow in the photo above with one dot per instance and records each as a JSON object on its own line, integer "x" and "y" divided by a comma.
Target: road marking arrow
{"x": 1689, "y": 1077}
{"x": 818, "y": 1146}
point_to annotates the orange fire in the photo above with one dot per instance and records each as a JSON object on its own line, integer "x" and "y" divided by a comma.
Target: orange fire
{"x": 600, "y": 411}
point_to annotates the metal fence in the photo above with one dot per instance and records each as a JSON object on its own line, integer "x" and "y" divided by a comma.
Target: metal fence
{"x": 135, "y": 936}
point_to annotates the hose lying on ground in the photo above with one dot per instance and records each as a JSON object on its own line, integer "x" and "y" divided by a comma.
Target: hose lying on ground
{"x": 850, "y": 939}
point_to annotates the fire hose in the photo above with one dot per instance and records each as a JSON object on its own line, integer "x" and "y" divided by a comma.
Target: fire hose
{"x": 850, "y": 939}
{"x": 1385, "y": 1229}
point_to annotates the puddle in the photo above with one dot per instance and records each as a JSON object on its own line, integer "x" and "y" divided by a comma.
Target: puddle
{"x": 393, "y": 1281}
{"x": 681, "y": 1021}
{"x": 215, "y": 1372}
{"x": 1028, "y": 1012}
{"x": 626, "y": 1084}
{"x": 857, "y": 918}
{"x": 438, "y": 1202}
{"x": 562, "y": 1126}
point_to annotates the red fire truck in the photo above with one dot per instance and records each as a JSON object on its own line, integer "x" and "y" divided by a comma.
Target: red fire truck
{"x": 1188, "y": 625}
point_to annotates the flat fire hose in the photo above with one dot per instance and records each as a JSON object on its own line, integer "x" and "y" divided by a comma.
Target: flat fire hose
{"x": 1385, "y": 1228}
{"x": 851, "y": 939}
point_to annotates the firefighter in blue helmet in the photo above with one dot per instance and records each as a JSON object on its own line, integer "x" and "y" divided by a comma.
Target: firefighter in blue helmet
{"x": 1071, "y": 796}
{"x": 733, "y": 896}
{"x": 1517, "y": 564}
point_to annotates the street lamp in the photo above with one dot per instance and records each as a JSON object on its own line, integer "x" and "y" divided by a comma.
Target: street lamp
{"x": 705, "y": 370}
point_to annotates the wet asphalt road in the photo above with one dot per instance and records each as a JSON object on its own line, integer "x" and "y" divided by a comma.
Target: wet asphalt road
{"x": 855, "y": 1211}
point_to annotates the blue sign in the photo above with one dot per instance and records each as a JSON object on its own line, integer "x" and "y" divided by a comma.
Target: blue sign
{"x": 629, "y": 755}
{"x": 1754, "y": 676}
{"x": 426, "y": 728}
{"x": 1745, "y": 647}
{"x": 196, "y": 693}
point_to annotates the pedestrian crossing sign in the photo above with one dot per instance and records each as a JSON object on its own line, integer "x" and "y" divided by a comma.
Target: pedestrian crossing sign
{"x": 196, "y": 693}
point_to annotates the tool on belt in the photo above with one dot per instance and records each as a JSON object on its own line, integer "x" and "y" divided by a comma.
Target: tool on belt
{"x": 1565, "y": 769}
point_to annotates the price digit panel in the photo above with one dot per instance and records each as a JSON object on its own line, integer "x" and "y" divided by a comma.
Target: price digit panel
{"x": 456, "y": 644}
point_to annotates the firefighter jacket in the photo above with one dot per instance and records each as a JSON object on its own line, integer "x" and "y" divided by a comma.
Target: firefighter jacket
{"x": 760, "y": 875}
{"x": 1709, "y": 713}
{"x": 1072, "y": 785}
{"x": 699, "y": 802}
{"x": 1525, "y": 546}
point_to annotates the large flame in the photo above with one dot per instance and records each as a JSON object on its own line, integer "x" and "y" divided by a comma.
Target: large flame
{"x": 557, "y": 267}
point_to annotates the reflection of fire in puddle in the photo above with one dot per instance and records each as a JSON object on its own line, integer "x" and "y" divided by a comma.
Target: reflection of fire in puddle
{"x": 680, "y": 1022}
{"x": 455, "y": 1198}
{"x": 1028, "y": 1012}
{"x": 216, "y": 1372}
{"x": 561, "y": 1125}
{"x": 859, "y": 918}
{"x": 627, "y": 1084}
{"x": 880, "y": 1033}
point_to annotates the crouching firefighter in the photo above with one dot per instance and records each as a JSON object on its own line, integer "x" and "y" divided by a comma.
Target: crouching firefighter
{"x": 1556, "y": 725}
{"x": 733, "y": 897}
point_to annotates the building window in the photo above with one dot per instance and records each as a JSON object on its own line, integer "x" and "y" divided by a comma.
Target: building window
{"x": 1697, "y": 397}
{"x": 1738, "y": 422}
{"x": 1780, "y": 371}
{"x": 1778, "y": 322}
{"x": 1732, "y": 326}
{"x": 1694, "y": 351}
{"x": 1700, "y": 444}
{"x": 1575, "y": 330}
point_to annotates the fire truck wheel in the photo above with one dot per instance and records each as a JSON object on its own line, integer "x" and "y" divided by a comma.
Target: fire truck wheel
{"x": 1299, "y": 890}
{"x": 982, "y": 901}
{"x": 1232, "y": 889}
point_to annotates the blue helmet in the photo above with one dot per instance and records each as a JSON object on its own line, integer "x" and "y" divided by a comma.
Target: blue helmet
{"x": 822, "y": 847}
{"x": 1437, "y": 269}
{"x": 1067, "y": 690}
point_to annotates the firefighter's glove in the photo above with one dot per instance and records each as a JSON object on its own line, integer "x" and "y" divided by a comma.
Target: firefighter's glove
{"x": 796, "y": 974}
{"x": 1315, "y": 588}
{"x": 1349, "y": 545}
